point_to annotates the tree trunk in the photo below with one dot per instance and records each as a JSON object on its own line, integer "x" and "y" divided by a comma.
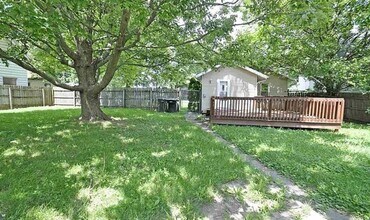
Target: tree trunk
{"x": 90, "y": 107}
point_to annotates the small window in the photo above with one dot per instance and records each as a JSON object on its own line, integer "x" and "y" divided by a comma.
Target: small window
{"x": 9, "y": 81}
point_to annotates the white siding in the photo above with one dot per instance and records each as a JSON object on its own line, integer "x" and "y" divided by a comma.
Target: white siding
{"x": 12, "y": 70}
{"x": 37, "y": 83}
{"x": 278, "y": 86}
{"x": 3, "y": 45}
{"x": 242, "y": 84}
{"x": 303, "y": 84}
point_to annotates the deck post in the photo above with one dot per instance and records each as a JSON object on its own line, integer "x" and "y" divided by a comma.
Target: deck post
{"x": 212, "y": 110}
{"x": 342, "y": 104}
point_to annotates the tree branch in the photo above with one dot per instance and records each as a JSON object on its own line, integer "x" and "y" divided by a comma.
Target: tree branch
{"x": 150, "y": 20}
{"x": 36, "y": 43}
{"x": 104, "y": 59}
{"x": 234, "y": 3}
{"x": 251, "y": 21}
{"x": 179, "y": 44}
{"x": 33, "y": 69}
{"x": 62, "y": 43}
{"x": 114, "y": 58}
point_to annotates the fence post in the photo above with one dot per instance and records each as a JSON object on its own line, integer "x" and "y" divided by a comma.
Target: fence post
{"x": 124, "y": 97}
{"x": 43, "y": 97}
{"x": 151, "y": 98}
{"x": 74, "y": 98}
{"x": 10, "y": 98}
{"x": 52, "y": 102}
{"x": 179, "y": 95}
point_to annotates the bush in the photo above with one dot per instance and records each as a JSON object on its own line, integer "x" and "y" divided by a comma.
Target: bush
{"x": 194, "y": 95}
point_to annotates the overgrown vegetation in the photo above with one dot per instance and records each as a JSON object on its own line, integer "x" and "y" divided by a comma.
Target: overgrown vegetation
{"x": 194, "y": 88}
{"x": 332, "y": 166}
{"x": 146, "y": 165}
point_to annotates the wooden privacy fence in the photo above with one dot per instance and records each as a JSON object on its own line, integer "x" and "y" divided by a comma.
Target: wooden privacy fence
{"x": 22, "y": 96}
{"x": 126, "y": 97}
{"x": 300, "y": 112}
{"x": 356, "y": 104}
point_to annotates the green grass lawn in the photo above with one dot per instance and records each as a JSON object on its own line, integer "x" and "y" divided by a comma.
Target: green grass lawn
{"x": 334, "y": 167}
{"x": 145, "y": 165}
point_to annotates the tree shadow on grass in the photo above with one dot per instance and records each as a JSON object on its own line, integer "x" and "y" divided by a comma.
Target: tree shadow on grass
{"x": 332, "y": 166}
{"x": 150, "y": 166}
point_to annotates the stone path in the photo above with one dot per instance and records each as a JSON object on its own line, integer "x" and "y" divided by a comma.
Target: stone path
{"x": 297, "y": 205}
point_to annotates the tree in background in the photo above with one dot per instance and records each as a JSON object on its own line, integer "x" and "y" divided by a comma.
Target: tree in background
{"x": 327, "y": 41}
{"x": 194, "y": 90}
{"x": 125, "y": 77}
{"x": 179, "y": 65}
{"x": 194, "y": 84}
{"x": 92, "y": 39}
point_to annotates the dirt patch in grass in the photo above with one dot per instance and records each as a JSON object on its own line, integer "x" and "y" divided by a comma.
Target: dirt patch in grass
{"x": 239, "y": 200}
{"x": 333, "y": 167}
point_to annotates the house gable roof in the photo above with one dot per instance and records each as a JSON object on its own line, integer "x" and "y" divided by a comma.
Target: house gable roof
{"x": 260, "y": 76}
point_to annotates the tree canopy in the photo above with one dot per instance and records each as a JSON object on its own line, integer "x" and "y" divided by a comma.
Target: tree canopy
{"x": 327, "y": 41}
{"x": 92, "y": 39}
{"x": 89, "y": 41}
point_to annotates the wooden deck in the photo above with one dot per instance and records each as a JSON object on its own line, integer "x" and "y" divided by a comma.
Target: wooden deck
{"x": 297, "y": 112}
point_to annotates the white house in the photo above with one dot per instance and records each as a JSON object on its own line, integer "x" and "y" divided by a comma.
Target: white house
{"x": 12, "y": 74}
{"x": 239, "y": 82}
{"x": 37, "y": 81}
{"x": 302, "y": 84}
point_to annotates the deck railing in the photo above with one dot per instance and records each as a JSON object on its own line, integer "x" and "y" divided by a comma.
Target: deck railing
{"x": 277, "y": 109}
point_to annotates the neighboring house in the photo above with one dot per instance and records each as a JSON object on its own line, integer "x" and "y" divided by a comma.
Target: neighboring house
{"x": 274, "y": 85}
{"x": 239, "y": 82}
{"x": 36, "y": 81}
{"x": 12, "y": 74}
{"x": 302, "y": 84}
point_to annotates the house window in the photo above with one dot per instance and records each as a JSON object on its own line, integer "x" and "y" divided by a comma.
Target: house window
{"x": 264, "y": 89}
{"x": 223, "y": 88}
{"x": 9, "y": 81}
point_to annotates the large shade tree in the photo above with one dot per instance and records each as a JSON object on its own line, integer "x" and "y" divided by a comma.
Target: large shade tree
{"x": 91, "y": 39}
{"x": 327, "y": 41}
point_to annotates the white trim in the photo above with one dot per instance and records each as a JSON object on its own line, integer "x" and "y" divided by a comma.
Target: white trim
{"x": 260, "y": 76}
